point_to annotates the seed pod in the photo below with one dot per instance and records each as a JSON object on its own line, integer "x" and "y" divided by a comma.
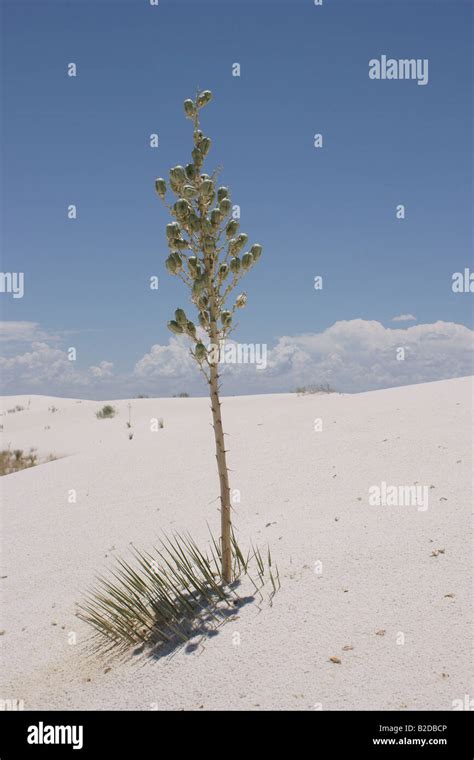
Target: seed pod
{"x": 236, "y": 244}
{"x": 172, "y": 230}
{"x": 174, "y": 327}
{"x": 235, "y": 265}
{"x": 209, "y": 199}
{"x": 200, "y": 352}
{"x": 203, "y": 321}
{"x": 247, "y": 261}
{"x": 174, "y": 185}
{"x": 197, "y": 135}
{"x": 192, "y": 265}
{"x": 170, "y": 264}
{"x": 182, "y": 208}
{"x": 223, "y": 271}
{"x": 226, "y": 318}
{"x": 178, "y": 261}
{"x": 189, "y": 191}
{"x": 190, "y": 171}
{"x": 241, "y": 301}
{"x": 225, "y": 206}
{"x": 189, "y": 109}
{"x": 193, "y": 222}
{"x": 178, "y": 244}
{"x": 209, "y": 245}
{"x": 242, "y": 239}
{"x": 191, "y": 328}
{"x": 203, "y": 302}
{"x": 207, "y": 187}
{"x": 203, "y": 98}
{"x": 223, "y": 192}
{"x": 180, "y": 317}
{"x": 216, "y": 217}
{"x": 199, "y": 285}
{"x": 231, "y": 228}
{"x": 204, "y": 145}
{"x": 160, "y": 187}
{"x": 256, "y": 251}
{"x": 178, "y": 174}
{"x": 206, "y": 226}
{"x": 197, "y": 156}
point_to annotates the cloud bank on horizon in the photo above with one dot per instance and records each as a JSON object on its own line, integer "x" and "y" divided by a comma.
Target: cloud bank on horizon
{"x": 351, "y": 355}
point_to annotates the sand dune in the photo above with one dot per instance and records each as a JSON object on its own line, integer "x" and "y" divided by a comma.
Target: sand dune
{"x": 304, "y": 491}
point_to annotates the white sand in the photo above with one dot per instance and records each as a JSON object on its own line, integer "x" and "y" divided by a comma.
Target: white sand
{"x": 378, "y": 572}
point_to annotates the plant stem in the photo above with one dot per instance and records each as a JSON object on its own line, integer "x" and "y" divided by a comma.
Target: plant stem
{"x": 226, "y": 547}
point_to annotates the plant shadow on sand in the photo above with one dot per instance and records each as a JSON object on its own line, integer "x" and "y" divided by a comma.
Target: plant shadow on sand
{"x": 172, "y": 599}
{"x": 206, "y": 625}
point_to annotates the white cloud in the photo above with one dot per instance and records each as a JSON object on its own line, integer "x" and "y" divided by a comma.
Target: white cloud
{"x": 45, "y": 369}
{"x": 360, "y": 355}
{"x": 13, "y": 332}
{"x": 104, "y": 369}
{"x": 404, "y": 318}
{"x": 353, "y": 355}
{"x": 171, "y": 361}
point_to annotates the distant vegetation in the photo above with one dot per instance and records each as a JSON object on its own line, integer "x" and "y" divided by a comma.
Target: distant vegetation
{"x": 16, "y": 460}
{"x": 106, "y": 413}
{"x": 183, "y": 394}
{"x": 320, "y": 388}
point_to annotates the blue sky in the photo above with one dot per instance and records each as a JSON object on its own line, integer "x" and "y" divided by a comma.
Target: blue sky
{"x": 329, "y": 211}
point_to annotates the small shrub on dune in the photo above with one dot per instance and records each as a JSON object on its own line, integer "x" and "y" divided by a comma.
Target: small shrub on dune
{"x": 311, "y": 389}
{"x": 106, "y": 413}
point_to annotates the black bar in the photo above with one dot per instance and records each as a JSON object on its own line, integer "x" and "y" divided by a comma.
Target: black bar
{"x": 322, "y": 734}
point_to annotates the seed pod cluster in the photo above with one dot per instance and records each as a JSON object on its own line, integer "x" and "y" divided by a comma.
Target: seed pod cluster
{"x": 202, "y": 216}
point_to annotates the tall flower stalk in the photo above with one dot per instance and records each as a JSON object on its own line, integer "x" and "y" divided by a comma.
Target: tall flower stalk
{"x": 206, "y": 253}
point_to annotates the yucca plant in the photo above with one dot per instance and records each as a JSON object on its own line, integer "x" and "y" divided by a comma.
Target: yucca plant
{"x": 206, "y": 251}
{"x": 157, "y": 597}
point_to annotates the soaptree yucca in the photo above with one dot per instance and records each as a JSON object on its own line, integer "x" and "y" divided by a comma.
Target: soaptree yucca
{"x": 206, "y": 252}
